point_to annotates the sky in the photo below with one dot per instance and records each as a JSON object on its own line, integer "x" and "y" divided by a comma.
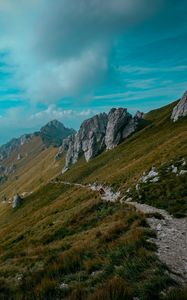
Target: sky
{"x": 71, "y": 59}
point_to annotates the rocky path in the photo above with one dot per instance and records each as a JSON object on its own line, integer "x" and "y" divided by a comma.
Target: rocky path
{"x": 106, "y": 192}
{"x": 171, "y": 232}
{"x": 171, "y": 239}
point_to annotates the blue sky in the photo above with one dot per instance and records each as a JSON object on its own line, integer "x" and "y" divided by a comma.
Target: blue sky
{"x": 69, "y": 59}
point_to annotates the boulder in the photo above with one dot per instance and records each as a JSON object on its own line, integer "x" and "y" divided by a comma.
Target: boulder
{"x": 180, "y": 110}
{"x": 17, "y": 201}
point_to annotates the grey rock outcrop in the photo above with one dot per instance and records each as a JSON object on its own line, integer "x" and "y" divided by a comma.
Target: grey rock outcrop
{"x": 180, "y": 110}
{"x": 17, "y": 201}
{"x": 99, "y": 133}
{"x": 118, "y": 119}
{"x": 89, "y": 141}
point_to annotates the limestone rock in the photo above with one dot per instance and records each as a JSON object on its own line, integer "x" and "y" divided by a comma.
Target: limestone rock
{"x": 118, "y": 119}
{"x": 89, "y": 141}
{"x": 17, "y": 201}
{"x": 99, "y": 133}
{"x": 180, "y": 110}
{"x": 152, "y": 176}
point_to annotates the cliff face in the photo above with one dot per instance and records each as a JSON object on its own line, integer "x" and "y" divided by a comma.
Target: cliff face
{"x": 103, "y": 131}
{"x": 180, "y": 110}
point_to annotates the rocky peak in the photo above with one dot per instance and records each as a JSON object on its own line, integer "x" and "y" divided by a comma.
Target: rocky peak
{"x": 89, "y": 141}
{"x": 180, "y": 110}
{"x": 118, "y": 118}
{"x": 54, "y": 132}
{"x": 99, "y": 133}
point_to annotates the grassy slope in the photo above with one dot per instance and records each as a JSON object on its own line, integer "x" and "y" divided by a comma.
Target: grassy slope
{"x": 35, "y": 168}
{"x": 158, "y": 144}
{"x": 63, "y": 234}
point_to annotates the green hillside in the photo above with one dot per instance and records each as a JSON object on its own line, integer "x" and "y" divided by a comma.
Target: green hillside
{"x": 65, "y": 242}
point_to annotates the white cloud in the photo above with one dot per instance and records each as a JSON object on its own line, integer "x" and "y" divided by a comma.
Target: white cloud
{"x": 60, "y": 48}
{"x": 146, "y": 70}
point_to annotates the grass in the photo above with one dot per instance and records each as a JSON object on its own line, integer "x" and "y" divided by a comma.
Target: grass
{"x": 68, "y": 235}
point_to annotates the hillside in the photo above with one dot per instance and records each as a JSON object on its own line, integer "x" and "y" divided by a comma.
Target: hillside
{"x": 160, "y": 143}
{"x": 66, "y": 242}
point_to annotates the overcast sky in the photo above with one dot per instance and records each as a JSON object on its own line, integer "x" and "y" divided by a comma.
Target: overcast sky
{"x": 70, "y": 59}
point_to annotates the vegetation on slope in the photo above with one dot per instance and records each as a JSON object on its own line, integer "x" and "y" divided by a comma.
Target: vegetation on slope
{"x": 160, "y": 143}
{"x": 67, "y": 242}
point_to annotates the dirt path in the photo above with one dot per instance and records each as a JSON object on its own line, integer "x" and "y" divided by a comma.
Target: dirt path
{"x": 171, "y": 232}
{"x": 171, "y": 239}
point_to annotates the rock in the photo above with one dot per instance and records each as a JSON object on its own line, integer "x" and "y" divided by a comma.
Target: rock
{"x": 118, "y": 119}
{"x": 180, "y": 110}
{"x": 99, "y": 133}
{"x": 152, "y": 176}
{"x": 63, "y": 286}
{"x": 174, "y": 169}
{"x": 155, "y": 179}
{"x": 183, "y": 162}
{"x": 89, "y": 141}
{"x": 182, "y": 172}
{"x": 17, "y": 201}
{"x": 19, "y": 157}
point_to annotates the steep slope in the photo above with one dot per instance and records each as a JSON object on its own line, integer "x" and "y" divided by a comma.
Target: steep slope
{"x": 67, "y": 242}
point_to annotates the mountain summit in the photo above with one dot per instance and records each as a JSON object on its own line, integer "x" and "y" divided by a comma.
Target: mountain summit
{"x": 103, "y": 131}
{"x": 21, "y": 152}
{"x": 54, "y": 132}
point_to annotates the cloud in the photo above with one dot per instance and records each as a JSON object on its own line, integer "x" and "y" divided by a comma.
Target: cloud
{"x": 139, "y": 70}
{"x": 53, "y": 112}
{"x": 61, "y": 48}
{"x": 11, "y": 122}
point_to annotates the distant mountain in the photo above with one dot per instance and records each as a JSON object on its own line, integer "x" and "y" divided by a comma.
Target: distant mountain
{"x": 18, "y": 153}
{"x": 54, "y": 132}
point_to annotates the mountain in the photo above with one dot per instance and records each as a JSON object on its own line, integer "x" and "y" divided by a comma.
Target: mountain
{"x": 111, "y": 227}
{"x": 25, "y": 161}
{"x": 99, "y": 133}
{"x": 54, "y": 133}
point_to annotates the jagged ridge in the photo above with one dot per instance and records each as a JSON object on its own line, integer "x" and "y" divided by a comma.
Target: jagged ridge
{"x": 103, "y": 131}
